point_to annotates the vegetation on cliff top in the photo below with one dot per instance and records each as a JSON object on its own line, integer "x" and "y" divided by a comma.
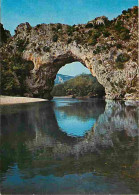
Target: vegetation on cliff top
{"x": 96, "y": 30}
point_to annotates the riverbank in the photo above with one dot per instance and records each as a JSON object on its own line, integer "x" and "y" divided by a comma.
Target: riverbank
{"x": 68, "y": 96}
{"x": 78, "y": 97}
{"x": 7, "y": 100}
{"x": 4, "y": 100}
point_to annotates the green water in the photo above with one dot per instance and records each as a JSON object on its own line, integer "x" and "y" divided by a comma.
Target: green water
{"x": 69, "y": 146}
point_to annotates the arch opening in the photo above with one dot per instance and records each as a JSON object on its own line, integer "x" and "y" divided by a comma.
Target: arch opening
{"x": 75, "y": 80}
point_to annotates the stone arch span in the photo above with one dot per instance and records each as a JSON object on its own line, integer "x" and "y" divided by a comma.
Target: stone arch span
{"x": 110, "y": 57}
{"x": 46, "y": 68}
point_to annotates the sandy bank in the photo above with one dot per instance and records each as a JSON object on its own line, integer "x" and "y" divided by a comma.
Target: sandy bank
{"x": 18, "y": 100}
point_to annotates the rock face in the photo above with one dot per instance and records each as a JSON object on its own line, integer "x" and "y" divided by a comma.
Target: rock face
{"x": 60, "y": 78}
{"x": 107, "y": 48}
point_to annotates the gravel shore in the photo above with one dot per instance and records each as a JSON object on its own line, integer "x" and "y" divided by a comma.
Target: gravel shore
{"x": 4, "y": 100}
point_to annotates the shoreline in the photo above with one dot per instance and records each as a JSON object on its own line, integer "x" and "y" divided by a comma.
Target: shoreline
{"x": 62, "y": 96}
{"x": 8, "y": 100}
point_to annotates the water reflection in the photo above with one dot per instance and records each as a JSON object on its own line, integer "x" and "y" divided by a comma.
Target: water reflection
{"x": 37, "y": 148}
{"x": 77, "y": 117}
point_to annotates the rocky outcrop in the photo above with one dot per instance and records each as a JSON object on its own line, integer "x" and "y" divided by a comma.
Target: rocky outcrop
{"x": 60, "y": 78}
{"x": 107, "y": 48}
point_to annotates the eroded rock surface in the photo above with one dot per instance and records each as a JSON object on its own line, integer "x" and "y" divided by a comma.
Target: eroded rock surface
{"x": 107, "y": 48}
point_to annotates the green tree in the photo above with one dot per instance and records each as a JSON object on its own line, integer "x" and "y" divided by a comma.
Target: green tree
{"x": 82, "y": 85}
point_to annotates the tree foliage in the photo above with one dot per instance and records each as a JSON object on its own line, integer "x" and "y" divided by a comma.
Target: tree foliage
{"x": 14, "y": 71}
{"x": 82, "y": 85}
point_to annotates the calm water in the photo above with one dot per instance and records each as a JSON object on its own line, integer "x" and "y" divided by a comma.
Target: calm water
{"x": 69, "y": 146}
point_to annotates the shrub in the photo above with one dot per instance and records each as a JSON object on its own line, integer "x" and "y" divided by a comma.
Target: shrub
{"x": 90, "y": 32}
{"x": 104, "y": 47}
{"x": 99, "y": 61}
{"x": 136, "y": 11}
{"x": 76, "y": 28}
{"x": 38, "y": 49}
{"x": 70, "y": 30}
{"x": 38, "y": 25}
{"x": 119, "y": 65}
{"x": 99, "y": 27}
{"x": 46, "y": 49}
{"x": 135, "y": 56}
{"x": 124, "y": 12}
{"x": 21, "y": 44}
{"x": 59, "y": 26}
{"x": 106, "y": 34}
{"x": 53, "y": 29}
{"x": 124, "y": 34}
{"x": 4, "y": 34}
{"x": 92, "y": 42}
{"x": 123, "y": 58}
{"x": 89, "y": 25}
{"x": 55, "y": 38}
{"x": 98, "y": 50}
{"x": 94, "y": 52}
{"x": 126, "y": 16}
{"x": 78, "y": 39}
{"x": 69, "y": 40}
{"x": 129, "y": 10}
{"x": 96, "y": 35}
{"x": 118, "y": 25}
{"x": 119, "y": 45}
{"x": 94, "y": 38}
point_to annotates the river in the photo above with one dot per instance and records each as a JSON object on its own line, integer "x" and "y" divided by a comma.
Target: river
{"x": 69, "y": 146}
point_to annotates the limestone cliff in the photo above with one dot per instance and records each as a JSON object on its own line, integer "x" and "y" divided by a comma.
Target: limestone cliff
{"x": 107, "y": 48}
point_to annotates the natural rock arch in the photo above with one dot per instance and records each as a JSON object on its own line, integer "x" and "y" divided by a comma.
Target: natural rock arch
{"x": 107, "y": 48}
{"x": 46, "y": 71}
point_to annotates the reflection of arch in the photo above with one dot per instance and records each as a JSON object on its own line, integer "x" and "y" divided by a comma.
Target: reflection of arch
{"x": 116, "y": 121}
{"x": 55, "y": 146}
{"x": 91, "y": 108}
{"x": 83, "y": 114}
{"x": 29, "y": 121}
{"x": 41, "y": 118}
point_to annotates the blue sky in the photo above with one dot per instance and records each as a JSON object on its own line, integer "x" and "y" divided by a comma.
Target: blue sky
{"x": 14, "y": 12}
